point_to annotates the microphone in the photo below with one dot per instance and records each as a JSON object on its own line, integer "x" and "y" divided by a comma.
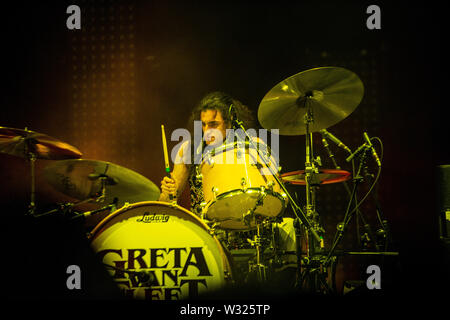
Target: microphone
{"x": 112, "y": 206}
{"x": 350, "y": 157}
{"x": 339, "y": 143}
{"x": 330, "y": 154}
{"x": 374, "y": 153}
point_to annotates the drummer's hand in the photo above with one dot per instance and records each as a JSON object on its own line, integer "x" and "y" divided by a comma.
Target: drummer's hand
{"x": 169, "y": 186}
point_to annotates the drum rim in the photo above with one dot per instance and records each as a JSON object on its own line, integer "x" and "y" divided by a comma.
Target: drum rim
{"x": 240, "y": 191}
{"x": 230, "y": 193}
{"x": 100, "y": 226}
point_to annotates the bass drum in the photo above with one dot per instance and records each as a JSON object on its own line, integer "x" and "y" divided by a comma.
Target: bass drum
{"x": 160, "y": 251}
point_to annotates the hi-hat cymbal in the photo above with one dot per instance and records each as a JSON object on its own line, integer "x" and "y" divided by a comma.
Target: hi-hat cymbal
{"x": 81, "y": 179}
{"x": 21, "y": 143}
{"x": 331, "y": 93}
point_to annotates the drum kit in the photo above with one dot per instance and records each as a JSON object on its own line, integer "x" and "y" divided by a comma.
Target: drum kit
{"x": 159, "y": 250}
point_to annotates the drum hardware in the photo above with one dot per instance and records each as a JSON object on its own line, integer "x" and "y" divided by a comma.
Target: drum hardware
{"x": 214, "y": 190}
{"x": 250, "y": 214}
{"x": 243, "y": 183}
{"x": 203, "y": 208}
{"x": 349, "y": 214}
{"x": 32, "y": 145}
{"x": 111, "y": 207}
{"x": 302, "y": 104}
{"x": 31, "y": 157}
{"x": 369, "y": 234}
{"x": 260, "y": 268}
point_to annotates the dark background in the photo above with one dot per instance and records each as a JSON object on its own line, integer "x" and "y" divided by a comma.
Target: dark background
{"x": 134, "y": 65}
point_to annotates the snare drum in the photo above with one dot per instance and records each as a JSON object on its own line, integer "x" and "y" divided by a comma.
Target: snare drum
{"x": 235, "y": 182}
{"x": 160, "y": 251}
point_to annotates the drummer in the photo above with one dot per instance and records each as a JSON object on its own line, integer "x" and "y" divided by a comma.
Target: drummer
{"x": 213, "y": 112}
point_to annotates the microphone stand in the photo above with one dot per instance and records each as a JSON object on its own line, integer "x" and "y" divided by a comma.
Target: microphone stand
{"x": 349, "y": 192}
{"x": 348, "y": 215}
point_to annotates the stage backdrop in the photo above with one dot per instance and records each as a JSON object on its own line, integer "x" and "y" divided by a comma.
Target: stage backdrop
{"x": 107, "y": 87}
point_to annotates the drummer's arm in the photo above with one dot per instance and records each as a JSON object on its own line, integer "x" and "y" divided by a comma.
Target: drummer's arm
{"x": 175, "y": 184}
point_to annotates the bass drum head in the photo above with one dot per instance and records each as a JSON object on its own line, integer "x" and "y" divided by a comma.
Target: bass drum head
{"x": 159, "y": 251}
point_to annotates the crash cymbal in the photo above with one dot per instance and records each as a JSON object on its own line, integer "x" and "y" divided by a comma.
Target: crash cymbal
{"x": 325, "y": 176}
{"x": 81, "y": 179}
{"x": 332, "y": 93}
{"x": 21, "y": 143}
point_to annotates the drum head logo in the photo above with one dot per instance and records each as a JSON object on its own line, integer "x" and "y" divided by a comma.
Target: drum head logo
{"x": 153, "y": 218}
{"x": 160, "y": 273}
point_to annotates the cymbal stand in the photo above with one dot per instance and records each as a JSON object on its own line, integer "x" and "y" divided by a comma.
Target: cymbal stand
{"x": 313, "y": 274}
{"x": 30, "y": 146}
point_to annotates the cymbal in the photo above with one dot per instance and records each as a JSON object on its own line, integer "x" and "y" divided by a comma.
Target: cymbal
{"x": 332, "y": 93}
{"x": 325, "y": 176}
{"x": 20, "y": 143}
{"x": 80, "y": 179}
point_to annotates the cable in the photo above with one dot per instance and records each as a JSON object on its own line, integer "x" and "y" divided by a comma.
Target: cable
{"x": 348, "y": 214}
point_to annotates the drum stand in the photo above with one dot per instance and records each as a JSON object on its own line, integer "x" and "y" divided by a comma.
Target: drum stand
{"x": 256, "y": 242}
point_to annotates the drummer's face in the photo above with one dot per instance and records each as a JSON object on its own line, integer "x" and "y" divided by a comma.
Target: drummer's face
{"x": 213, "y": 126}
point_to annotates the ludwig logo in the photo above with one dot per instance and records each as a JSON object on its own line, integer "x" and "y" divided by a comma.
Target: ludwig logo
{"x": 153, "y": 218}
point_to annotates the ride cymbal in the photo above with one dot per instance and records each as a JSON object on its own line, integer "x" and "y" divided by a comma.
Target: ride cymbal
{"x": 330, "y": 93}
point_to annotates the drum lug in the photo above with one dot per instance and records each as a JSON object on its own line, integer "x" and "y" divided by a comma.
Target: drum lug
{"x": 173, "y": 204}
{"x": 244, "y": 184}
{"x": 215, "y": 190}
{"x": 126, "y": 205}
{"x": 204, "y": 210}
{"x": 270, "y": 185}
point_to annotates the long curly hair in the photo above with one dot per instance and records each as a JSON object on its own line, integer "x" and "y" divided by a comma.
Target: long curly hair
{"x": 221, "y": 101}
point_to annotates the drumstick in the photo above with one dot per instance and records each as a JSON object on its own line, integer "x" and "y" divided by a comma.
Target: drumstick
{"x": 166, "y": 155}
